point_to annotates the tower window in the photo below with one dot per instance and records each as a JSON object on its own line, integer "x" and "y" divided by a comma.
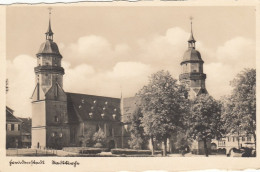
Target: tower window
{"x": 56, "y": 119}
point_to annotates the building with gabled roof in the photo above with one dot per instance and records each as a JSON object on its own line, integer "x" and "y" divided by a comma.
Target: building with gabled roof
{"x": 26, "y": 129}
{"x": 13, "y": 129}
{"x": 63, "y": 119}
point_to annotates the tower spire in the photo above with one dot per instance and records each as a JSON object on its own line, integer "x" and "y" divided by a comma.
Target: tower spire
{"x": 49, "y": 33}
{"x": 191, "y": 40}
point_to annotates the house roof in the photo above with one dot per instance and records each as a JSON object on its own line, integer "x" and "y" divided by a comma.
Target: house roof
{"x": 26, "y": 125}
{"x": 10, "y": 116}
{"x": 82, "y": 107}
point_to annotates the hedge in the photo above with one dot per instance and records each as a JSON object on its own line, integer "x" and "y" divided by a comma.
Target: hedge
{"x": 133, "y": 152}
{"x": 85, "y": 150}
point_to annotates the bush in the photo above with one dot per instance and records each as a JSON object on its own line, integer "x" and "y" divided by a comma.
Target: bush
{"x": 135, "y": 142}
{"x": 98, "y": 145}
{"x": 91, "y": 151}
{"x": 85, "y": 150}
{"x": 132, "y": 151}
{"x": 99, "y": 137}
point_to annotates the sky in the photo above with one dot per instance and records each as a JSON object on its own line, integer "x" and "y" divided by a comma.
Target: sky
{"x": 112, "y": 49}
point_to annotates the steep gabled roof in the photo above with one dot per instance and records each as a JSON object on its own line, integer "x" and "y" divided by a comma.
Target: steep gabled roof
{"x": 130, "y": 106}
{"x": 89, "y": 107}
{"x": 10, "y": 116}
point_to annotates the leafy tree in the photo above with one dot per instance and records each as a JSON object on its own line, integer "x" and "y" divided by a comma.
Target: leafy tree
{"x": 182, "y": 140}
{"x": 204, "y": 121}
{"x": 232, "y": 121}
{"x": 163, "y": 104}
{"x": 138, "y": 139}
{"x": 99, "y": 139}
{"x": 240, "y": 106}
{"x": 86, "y": 140}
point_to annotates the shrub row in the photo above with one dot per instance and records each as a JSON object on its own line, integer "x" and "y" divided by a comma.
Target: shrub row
{"x": 85, "y": 150}
{"x": 133, "y": 152}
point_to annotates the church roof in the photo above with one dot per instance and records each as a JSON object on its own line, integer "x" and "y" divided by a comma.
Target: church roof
{"x": 192, "y": 55}
{"x": 10, "y": 116}
{"x": 129, "y": 105}
{"x": 89, "y": 107}
{"x": 49, "y": 47}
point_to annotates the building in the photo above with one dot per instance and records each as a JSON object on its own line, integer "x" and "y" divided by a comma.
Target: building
{"x": 13, "y": 129}
{"x": 193, "y": 76}
{"x": 62, "y": 119}
{"x": 26, "y": 132}
{"x": 231, "y": 141}
{"x": 192, "y": 69}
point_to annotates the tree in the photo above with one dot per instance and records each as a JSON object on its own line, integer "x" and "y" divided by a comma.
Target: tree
{"x": 163, "y": 104}
{"x": 138, "y": 139}
{"x": 240, "y": 107}
{"x": 99, "y": 139}
{"x": 87, "y": 139}
{"x": 204, "y": 121}
{"x": 232, "y": 121}
{"x": 182, "y": 140}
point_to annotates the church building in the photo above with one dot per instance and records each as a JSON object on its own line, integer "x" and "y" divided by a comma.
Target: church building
{"x": 192, "y": 69}
{"x": 62, "y": 119}
{"x": 193, "y": 76}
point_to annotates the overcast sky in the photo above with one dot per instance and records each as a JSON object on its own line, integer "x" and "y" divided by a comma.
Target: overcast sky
{"x": 105, "y": 48}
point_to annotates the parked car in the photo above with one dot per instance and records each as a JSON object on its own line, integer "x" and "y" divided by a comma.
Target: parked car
{"x": 242, "y": 152}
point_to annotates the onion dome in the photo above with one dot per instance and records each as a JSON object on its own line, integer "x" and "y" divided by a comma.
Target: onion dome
{"x": 192, "y": 55}
{"x": 49, "y": 47}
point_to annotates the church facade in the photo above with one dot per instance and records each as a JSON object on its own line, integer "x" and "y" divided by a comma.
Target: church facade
{"x": 62, "y": 119}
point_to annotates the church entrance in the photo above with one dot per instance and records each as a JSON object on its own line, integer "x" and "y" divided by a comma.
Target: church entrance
{"x": 111, "y": 144}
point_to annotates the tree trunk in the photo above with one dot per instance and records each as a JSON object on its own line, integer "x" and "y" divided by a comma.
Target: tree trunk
{"x": 238, "y": 143}
{"x": 205, "y": 147}
{"x": 152, "y": 145}
{"x": 238, "y": 139}
{"x": 165, "y": 146}
{"x": 254, "y": 135}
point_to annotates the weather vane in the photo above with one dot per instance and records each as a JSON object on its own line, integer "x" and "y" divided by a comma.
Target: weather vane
{"x": 191, "y": 18}
{"x": 50, "y": 10}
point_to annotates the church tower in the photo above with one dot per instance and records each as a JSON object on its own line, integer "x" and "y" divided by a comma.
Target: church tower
{"x": 192, "y": 69}
{"x": 49, "y": 101}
